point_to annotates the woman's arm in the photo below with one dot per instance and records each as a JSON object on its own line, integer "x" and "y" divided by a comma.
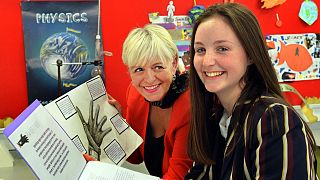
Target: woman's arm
{"x": 179, "y": 162}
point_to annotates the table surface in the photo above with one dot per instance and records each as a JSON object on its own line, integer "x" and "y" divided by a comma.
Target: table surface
{"x": 20, "y": 170}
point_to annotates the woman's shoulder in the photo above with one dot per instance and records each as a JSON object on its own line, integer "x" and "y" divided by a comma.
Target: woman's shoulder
{"x": 267, "y": 101}
{"x": 181, "y": 110}
{"x": 267, "y": 105}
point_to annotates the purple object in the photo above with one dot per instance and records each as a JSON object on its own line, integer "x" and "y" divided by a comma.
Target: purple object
{"x": 167, "y": 25}
{"x": 16, "y": 123}
{"x": 183, "y": 48}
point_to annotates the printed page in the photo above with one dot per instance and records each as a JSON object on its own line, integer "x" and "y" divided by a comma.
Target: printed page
{"x": 95, "y": 126}
{"x": 44, "y": 145}
{"x": 96, "y": 170}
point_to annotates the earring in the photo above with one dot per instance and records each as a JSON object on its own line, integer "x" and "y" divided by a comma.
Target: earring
{"x": 173, "y": 84}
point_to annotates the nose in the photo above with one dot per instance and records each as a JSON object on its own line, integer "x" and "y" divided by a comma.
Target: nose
{"x": 209, "y": 59}
{"x": 149, "y": 75}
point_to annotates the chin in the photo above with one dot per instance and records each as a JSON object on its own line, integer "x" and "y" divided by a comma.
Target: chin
{"x": 211, "y": 89}
{"x": 153, "y": 98}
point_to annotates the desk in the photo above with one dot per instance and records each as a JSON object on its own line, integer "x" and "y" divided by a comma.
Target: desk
{"x": 20, "y": 170}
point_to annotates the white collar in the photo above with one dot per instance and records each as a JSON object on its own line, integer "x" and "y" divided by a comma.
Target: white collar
{"x": 224, "y": 124}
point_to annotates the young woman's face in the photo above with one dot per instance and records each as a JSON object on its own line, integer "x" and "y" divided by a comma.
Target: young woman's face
{"x": 152, "y": 80}
{"x": 220, "y": 60}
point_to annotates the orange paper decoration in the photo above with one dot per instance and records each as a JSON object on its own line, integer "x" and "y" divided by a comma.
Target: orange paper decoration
{"x": 271, "y": 3}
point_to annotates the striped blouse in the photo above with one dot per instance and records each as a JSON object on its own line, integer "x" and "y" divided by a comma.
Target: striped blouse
{"x": 276, "y": 148}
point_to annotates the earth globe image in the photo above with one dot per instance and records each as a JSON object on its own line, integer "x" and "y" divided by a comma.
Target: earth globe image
{"x": 67, "y": 47}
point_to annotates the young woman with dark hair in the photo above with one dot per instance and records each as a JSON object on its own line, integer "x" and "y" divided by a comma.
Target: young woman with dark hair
{"x": 241, "y": 126}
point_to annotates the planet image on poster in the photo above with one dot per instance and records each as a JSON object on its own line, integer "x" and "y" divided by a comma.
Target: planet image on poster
{"x": 67, "y": 47}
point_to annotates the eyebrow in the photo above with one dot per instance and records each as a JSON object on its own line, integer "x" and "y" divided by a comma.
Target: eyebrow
{"x": 157, "y": 63}
{"x": 198, "y": 43}
{"x": 133, "y": 67}
{"x": 215, "y": 42}
{"x": 141, "y": 66}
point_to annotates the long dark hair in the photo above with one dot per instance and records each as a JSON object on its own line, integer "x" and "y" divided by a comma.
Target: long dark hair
{"x": 260, "y": 77}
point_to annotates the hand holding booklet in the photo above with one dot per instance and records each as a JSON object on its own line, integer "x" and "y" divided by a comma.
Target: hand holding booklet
{"x": 52, "y": 139}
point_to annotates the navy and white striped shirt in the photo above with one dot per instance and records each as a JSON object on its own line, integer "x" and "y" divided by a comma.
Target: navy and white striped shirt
{"x": 277, "y": 148}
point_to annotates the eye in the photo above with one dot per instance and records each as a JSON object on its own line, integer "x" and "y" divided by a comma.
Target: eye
{"x": 158, "y": 67}
{"x": 222, "y": 49}
{"x": 200, "y": 50}
{"x": 139, "y": 69}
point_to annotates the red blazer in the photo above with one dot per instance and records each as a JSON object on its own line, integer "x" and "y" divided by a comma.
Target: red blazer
{"x": 175, "y": 159}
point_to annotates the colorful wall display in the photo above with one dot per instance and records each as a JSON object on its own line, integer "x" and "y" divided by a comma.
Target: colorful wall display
{"x": 295, "y": 56}
{"x": 180, "y": 30}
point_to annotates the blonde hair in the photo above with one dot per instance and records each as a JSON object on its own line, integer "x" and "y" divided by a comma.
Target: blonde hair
{"x": 150, "y": 43}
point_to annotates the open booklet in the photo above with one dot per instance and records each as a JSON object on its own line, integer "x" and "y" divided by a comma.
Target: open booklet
{"x": 51, "y": 154}
{"x": 95, "y": 126}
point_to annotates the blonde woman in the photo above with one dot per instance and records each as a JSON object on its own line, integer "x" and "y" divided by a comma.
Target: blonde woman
{"x": 158, "y": 106}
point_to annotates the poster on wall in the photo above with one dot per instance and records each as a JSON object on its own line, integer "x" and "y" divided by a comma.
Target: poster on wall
{"x": 63, "y": 30}
{"x": 180, "y": 30}
{"x": 295, "y": 56}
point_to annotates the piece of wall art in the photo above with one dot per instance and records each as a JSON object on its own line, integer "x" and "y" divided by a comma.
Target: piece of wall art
{"x": 308, "y": 12}
{"x": 271, "y": 3}
{"x": 295, "y": 56}
{"x": 58, "y": 30}
{"x": 195, "y": 12}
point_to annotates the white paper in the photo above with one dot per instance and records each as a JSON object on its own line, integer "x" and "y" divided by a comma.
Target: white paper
{"x": 44, "y": 145}
{"x": 118, "y": 144}
{"x": 96, "y": 170}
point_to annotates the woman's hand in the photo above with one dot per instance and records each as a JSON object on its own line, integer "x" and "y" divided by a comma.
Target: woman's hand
{"x": 115, "y": 103}
{"x": 87, "y": 157}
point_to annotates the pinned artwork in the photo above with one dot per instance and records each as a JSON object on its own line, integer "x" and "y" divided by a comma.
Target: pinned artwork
{"x": 271, "y": 3}
{"x": 180, "y": 30}
{"x": 278, "y": 22}
{"x": 153, "y": 16}
{"x": 195, "y": 12}
{"x": 56, "y": 32}
{"x": 295, "y": 56}
{"x": 308, "y": 12}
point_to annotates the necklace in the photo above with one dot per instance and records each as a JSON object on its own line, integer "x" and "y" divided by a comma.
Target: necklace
{"x": 177, "y": 87}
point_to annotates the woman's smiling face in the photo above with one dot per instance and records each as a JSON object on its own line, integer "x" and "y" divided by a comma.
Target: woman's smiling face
{"x": 220, "y": 60}
{"x": 152, "y": 80}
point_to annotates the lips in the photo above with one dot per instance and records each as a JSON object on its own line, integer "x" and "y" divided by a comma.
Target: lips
{"x": 151, "y": 88}
{"x": 213, "y": 74}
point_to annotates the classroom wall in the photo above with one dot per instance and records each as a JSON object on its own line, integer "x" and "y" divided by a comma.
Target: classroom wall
{"x": 118, "y": 18}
